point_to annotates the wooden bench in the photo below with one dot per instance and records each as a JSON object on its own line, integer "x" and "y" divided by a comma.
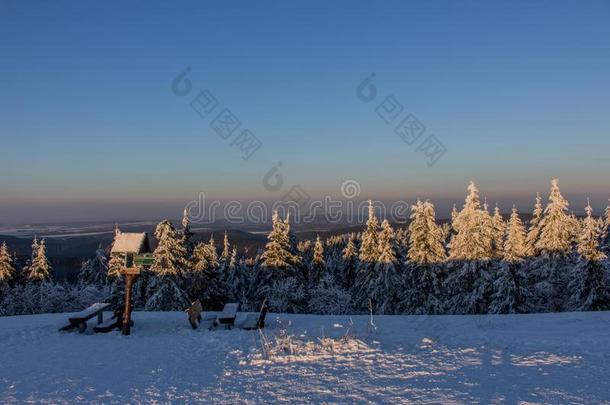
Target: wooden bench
{"x": 80, "y": 319}
{"x": 256, "y": 321}
{"x": 111, "y": 324}
{"x": 227, "y": 316}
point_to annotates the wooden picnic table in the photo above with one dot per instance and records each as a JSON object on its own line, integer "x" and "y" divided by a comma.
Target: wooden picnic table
{"x": 80, "y": 319}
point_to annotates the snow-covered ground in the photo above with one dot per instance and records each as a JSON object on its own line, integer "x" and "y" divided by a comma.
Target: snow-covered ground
{"x": 547, "y": 358}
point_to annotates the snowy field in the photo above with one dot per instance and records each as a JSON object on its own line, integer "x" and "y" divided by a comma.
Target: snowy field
{"x": 549, "y": 358}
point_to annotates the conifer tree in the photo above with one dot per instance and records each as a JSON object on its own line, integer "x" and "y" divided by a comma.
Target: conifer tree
{"x": 425, "y": 236}
{"x": 7, "y": 270}
{"x": 509, "y": 288}
{"x": 226, "y": 250}
{"x": 169, "y": 264}
{"x": 318, "y": 263}
{"x": 368, "y": 255}
{"x": 473, "y": 230}
{"x": 235, "y": 280}
{"x": 533, "y": 233}
{"x": 115, "y": 265}
{"x": 555, "y": 226}
{"x": 169, "y": 258}
{"x": 509, "y": 292}
{"x": 422, "y": 286}
{"x": 384, "y": 284}
{"x": 279, "y": 268}
{"x": 548, "y": 272}
{"x": 606, "y": 229}
{"x": 469, "y": 280}
{"x": 515, "y": 244}
{"x": 349, "y": 257}
{"x": 40, "y": 268}
{"x": 589, "y": 284}
{"x": 369, "y": 246}
{"x": 187, "y": 233}
{"x": 205, "y": 280}
{"x": 95, "y": 271}
{"x": 498, "y": 231}
{"x": 278, "y": 253}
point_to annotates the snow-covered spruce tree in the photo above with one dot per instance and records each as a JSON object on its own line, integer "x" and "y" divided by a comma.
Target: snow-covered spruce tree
{"x": 425, "y": 236}
{"x": 169, "y": 263}
{"x": 187, "y": 234}
{"x": 225, "y": 256}
{"x": 95, "y": 271}
{"x": 279, "y": 269}
{"x": 317, "y": 266}
{"x": 115, "y": 265}
{"x": 606, "y": 230}
{"x": 423, "y": 275}
{"x": 40, "y": 268}
{"x": 515, "y": 244}
{"x": 473, "y": 230}
{"x": 533, "y": 233}
{"x": 333, "y": 258}
{"x": 205, "y": 282}
{"x": 469, "y": 281}
{"x": 510, "y": 286}
{"x": 556, "y": 233}
{"x": 236, "y": 280}
{"x": 368, "y": 255}
{"x": 589, "y": 285}
{"x": 7, "y": 270}
{"x": 548, "y": 272}
{"x": 384, "y": 286}
{"x": 349, "y": 263}
{"x": 498, "y": 231}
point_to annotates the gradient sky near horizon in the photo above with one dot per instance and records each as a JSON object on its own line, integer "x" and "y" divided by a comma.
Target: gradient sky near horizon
{"x": 518, "y": 92}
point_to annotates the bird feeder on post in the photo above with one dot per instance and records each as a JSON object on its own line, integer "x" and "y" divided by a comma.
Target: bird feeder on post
{"x": 135, "y": 249}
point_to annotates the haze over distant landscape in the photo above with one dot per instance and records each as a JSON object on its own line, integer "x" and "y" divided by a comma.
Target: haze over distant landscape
{"x": 92, "y": 128}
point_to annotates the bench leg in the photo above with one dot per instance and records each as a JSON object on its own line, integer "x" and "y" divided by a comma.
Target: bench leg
{"x": 100, "y": 318}
{"x": 82, "y": 327}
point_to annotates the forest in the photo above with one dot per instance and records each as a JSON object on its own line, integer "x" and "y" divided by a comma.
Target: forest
{"x": 480, "y": 262}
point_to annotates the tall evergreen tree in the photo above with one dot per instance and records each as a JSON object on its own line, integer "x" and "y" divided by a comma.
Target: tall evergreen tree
{"x": 318, "y": 263}
{"x": 510, "y": 292}
{"x": 95, "y": 271}
{"x": 473, "y": 230}
{"x": 425, "y": 236}
{"x": 40, "y": 268}
{"x": 469, "y": 280}
{"x": 369, "y": 251}
{"x": 556, "y": 233}
{"x": 7, "y": 270}
{"x": 349, "y": 262}
{"x": 589, "y": 284}
{"x": 384, "y": 285}
{"x": 533, "y": 233}
{"x": 498, "y": 231}
{"x": 423, "y": 278}
{"x": 226, "y": 249}
{"x": 169, "y": 264}
{"x": 187, "y": 233}
{"x": 515, "y": 244}
{"x": 206, "y": 282}
{"x": 169, "y": 258}
{"x": 548, "y": 272}
{"x": 279, "y": 268}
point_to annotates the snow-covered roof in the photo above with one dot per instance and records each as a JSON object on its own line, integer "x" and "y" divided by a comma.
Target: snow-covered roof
{"x": 126, "y": 242}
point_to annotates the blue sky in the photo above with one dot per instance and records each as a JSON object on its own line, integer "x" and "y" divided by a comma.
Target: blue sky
{"x": 518, "y": 92}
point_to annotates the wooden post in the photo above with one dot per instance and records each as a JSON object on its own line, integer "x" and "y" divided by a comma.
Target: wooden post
{"x": 130, "y": 276}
